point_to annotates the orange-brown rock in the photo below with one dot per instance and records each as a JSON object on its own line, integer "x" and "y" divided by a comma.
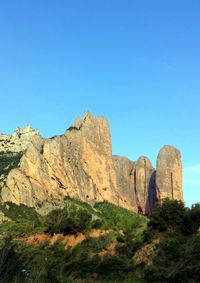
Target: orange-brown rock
{"x": 169, "y": 174}
{"x": 144, "y": 173}
{"x": 80, "y": 164}
{"x": 18, "y": 141}
{"x": 125, "y": 183}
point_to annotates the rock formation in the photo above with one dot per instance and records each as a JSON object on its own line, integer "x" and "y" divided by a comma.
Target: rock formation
{"x": 80, "y": 164}
{"x": 169, "y": 174}
{"x": 18, "y": 141}
{"x": 144, "y": 173}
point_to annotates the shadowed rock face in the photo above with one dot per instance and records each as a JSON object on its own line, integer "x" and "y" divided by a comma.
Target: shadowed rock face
{"x": 125, "y": 183}
{"x": 80, "y": 164}
{"x": 169, "y": 174}
{"x": 143, "y": 175}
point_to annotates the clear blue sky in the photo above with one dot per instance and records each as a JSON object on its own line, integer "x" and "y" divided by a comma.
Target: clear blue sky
{"x": 136, "y": 62}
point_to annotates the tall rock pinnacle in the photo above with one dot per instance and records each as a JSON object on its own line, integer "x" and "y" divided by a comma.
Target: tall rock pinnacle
{"x": 169, "y": 174}
{"x": 143, "y": 174}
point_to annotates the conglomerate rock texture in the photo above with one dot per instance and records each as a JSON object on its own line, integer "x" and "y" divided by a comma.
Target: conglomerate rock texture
{"x": 80, "y": 164}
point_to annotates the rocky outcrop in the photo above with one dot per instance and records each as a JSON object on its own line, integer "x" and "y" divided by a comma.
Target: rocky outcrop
{"x": 169, "y": 174}
{"x": 135, "y": 183}
{"x": 12, "y": 148}
{"x": 143, "y": 175}
{"x": 18, "y": 141}
{"x": 125, "y": 183}
{"x": 80, "y": 164}
{"x": 3, "y": 137}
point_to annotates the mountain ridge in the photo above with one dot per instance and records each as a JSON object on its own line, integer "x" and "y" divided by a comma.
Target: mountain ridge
{"x": 80, "y": 164}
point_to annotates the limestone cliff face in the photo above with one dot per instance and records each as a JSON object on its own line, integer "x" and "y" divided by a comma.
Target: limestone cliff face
{"x": 169, "y": 174}
{"x": 80, "y": 164}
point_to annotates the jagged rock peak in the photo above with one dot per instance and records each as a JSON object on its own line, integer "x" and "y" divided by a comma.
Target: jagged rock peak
{"x": 18, "y": 140}
{"x": 24, "y": 133}
{"x": 93, "y": 130}
{"x": 79, "y": 123}
{"x": 87, "y": 119}
{"x": 169, "y": 174}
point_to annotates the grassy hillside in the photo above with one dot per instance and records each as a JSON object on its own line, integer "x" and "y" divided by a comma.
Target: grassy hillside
{"x": 104, "y": 243}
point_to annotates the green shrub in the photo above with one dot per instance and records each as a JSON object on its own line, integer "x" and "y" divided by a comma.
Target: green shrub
{"x": 20, "y": 228}
{"x": 9, "y": 161}
{"x": 120, "y": 218}
{"x": 194, "y": 218}
{"x": 23, "y": 220}
{"x": 97, "y": 224}
{"x": 20, "y": 212}
{"x": 168, "y": 215}
{"x": 79, "y": 203}
{"x": 69, "y": 220}
{"x": 9, "y": 262}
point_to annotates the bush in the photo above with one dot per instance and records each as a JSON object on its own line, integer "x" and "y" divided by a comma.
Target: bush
{"x": 9, "y": 161}
{"x": 97, "y": 224}
{"x": 20, "y": 212}
{"x": 20, "y": 228}
{"x": 194, "y": 217}
{"x": 23, "y": 220}
{"x": 69, "y": 220}
{"x": 9, "y": 262}
{"x": 120, "y": 218}
{"x": 168, "y": 215}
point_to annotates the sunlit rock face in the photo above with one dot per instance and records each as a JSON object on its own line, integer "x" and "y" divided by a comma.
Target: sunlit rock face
{"x": 169, "y": 174}
{"x": 144, "y": 173}
{"x": 19, "y": 139}
{"x": 80, "y": 164}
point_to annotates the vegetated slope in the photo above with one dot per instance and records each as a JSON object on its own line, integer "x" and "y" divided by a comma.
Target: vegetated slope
{"x": 93, "y": 244}
{"x": 105, "y": 243}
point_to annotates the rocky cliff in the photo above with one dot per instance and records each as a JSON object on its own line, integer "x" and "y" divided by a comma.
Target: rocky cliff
{"x": 169, "y": 173}
{"x": 80, "y": 164}
{"x": 18, "y": 141}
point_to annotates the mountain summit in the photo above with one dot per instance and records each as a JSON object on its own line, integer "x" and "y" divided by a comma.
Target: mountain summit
{"x": 80, "y": 164}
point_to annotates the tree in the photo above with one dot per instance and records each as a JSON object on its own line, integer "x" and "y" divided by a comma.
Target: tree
{"x": 194, "y": 217}
{"x": 8, "y": 259}
{"x": 168, "y": 215}
{"x": 68, "y": 220}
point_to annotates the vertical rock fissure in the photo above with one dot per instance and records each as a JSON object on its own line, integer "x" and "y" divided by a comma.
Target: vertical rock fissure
{"x": 172, "y": 186}
{"x": 136, "y": 194}
{"x": 135, "y": 183}
{"x": 169, "y": 173}
{"x": 145, "y": 180}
